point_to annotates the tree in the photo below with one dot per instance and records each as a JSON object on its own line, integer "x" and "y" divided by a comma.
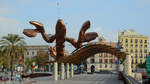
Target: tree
{"x": 41, "y": 58}
{"x": 4, "y": 60}
{"x": 142, "y": 65}
{"x": 11, "y": 46}
{"x": 29, "y": 62}
{"x": 1, "y": 58}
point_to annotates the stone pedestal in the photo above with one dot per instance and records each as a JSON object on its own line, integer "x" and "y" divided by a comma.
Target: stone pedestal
{"x": 97, "y": 67}
{"x": 127, "y": 66}
{"x": 68, "y": 73}
{"x": 72, "y": 70}
{"x": 55, "y": 71}
{"x": 120, "y": 67}
{"x": 62, "y": 71}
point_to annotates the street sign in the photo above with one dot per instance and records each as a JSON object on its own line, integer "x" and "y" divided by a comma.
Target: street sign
{"x": 148, "y": 66}
{"x": 119, "y": 62}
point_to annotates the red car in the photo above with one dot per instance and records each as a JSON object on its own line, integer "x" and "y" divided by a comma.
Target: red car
{"x": 4, "y": 78}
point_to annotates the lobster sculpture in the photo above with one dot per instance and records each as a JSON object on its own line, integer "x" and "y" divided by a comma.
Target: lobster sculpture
{"x": 60, "y": 36}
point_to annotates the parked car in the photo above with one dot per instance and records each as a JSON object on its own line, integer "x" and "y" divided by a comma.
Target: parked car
{"x": 17, "y": 78}
{"x": 4, "y": 78}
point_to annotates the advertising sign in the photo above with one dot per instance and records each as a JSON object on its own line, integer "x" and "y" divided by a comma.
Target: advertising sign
{"x": 148, "y": 66}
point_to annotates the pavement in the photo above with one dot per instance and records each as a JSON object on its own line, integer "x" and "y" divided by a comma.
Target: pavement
{"x": 77, "y": 79}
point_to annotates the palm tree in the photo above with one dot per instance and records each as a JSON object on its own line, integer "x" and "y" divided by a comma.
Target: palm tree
{"x": 1, "y": 58}
{"x": 29, "y": 62}
{"x": 11, "y": 46}
{"x": 4, "y": 60}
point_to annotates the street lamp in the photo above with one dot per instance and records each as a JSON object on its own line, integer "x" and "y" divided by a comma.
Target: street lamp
{"x": 119, "y": 47}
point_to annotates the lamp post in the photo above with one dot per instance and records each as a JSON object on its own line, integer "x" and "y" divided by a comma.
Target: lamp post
{"x": 119, "y": 47}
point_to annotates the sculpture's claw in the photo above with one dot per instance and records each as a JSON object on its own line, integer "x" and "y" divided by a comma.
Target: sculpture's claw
{"x": 90, "y": 36}
{"x": 39, "y": 26}
{"x": 30, "y": 32}
{"x": 36, "y": 24}
{"x": 82, "y": 35}
{"x": 85, "y": 26}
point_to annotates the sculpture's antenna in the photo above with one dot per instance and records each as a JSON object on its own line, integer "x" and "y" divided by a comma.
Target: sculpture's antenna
{"x": 58, "y": 10}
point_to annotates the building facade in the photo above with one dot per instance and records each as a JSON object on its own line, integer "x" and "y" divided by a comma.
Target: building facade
{"x": 103, "y": 61}
{"x": 33, "y": 50}
{"x": 136, "y": 45}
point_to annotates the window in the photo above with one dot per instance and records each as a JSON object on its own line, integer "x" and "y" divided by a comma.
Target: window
{"x": 105, "y": 65}
{"x": 92, "y": 60}
{"x": 131, "y": 45}
{"x": 136, "y": 41}
{"x": 27, "y": 53}
{"x": 136, "y": 56}
{"x": 126, "y": 40}
{"x": 111, "y": 61}
{"x": 131, "y": 51}
{"x": 145, "y": 41}
{"x": 141, "y": 46}
{"x": 136, "y": 51}
{"x": 136, "y": 46}
{"x": 145, "y": 46}
{"x": 106, "y": 61}
{"x": 32, "y": 53}
{"x": 132, "y": 61}
{"x": 100, "y": 60}
{"x": 141, "y": 41}
{"x": 136, "y": 61}
{"x": 131, "y": 40}
{"x": 126, "y": 45}
{"x": 145, "y": 51}
{"x": 105, "y": 55}
{"x": 141, "y": 61}
{"x": 141, "y": 56}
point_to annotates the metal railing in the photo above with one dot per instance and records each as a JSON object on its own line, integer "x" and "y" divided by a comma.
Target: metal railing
{"x": 127, "y": 79}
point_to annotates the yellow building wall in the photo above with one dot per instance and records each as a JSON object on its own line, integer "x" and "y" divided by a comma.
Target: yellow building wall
{"x": 129, "y": 46}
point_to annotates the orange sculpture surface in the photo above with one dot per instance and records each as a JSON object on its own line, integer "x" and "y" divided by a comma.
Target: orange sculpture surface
{"x": 60, "y": 36}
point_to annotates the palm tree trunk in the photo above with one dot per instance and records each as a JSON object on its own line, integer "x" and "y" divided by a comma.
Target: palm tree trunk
{"x": 11, "y": 67}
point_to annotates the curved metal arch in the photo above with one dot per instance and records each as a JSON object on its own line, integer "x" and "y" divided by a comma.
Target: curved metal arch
{"x": 89, "y": 50}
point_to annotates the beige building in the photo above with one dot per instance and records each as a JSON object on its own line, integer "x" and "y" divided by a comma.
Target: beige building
{"x": 103, "y": 61}
{"x": 135, "y": 44}
{"x": 32, "y": 51}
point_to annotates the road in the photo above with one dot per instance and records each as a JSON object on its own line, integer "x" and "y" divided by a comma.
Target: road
{"x": 78, "y": 79}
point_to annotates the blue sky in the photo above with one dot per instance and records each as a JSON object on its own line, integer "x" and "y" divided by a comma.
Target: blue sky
{"x": 107, "y": 16}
